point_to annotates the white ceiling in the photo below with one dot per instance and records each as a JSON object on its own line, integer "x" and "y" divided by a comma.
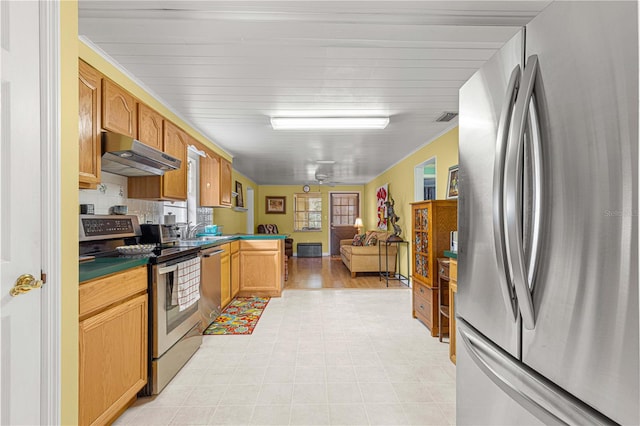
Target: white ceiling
{"x": 226, "y": 67}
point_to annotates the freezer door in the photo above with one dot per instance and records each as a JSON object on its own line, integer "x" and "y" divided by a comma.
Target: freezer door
{"x": 499, "y": 389}
{"x": 485, "y": 298}
{"x": 585, "y": 294}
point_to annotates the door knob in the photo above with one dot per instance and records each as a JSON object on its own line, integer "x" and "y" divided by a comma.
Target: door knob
{"x": 24, "y": 284}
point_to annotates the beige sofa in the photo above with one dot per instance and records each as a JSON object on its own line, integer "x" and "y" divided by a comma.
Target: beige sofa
{"x": 365, "y": 258}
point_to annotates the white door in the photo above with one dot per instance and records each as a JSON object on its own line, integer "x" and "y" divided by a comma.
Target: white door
{"x": 20, "y": 221}
{"x": 249, "y": 205}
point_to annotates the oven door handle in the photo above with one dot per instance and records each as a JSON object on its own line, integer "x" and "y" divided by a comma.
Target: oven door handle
{"x": 167, "y": 269}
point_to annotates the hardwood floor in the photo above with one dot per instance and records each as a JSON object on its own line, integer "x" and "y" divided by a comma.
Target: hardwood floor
{"x": 329, "y": 272}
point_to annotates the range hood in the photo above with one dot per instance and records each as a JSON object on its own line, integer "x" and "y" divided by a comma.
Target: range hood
{"x": 126, "y": 156}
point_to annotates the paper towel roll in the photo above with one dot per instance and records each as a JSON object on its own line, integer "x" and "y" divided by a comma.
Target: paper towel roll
{"x": 169, "y": 219}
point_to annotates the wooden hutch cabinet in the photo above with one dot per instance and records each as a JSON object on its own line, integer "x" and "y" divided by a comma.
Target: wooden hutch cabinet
{"x": 431, "y": 224}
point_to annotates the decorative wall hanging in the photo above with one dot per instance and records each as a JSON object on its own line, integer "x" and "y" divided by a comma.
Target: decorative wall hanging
{"x": 382, "y": 193}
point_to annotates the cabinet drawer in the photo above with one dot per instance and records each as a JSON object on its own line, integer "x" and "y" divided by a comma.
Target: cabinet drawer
{"x": 260, "y": 245}
{"x": 102, "y": 292}
{"x": 422, "y": 309}
{"x": 421, "y": 290}
{"x": 443, "y": 268}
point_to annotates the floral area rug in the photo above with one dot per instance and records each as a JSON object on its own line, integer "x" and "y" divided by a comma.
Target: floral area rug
{"x": 239, "y": 317}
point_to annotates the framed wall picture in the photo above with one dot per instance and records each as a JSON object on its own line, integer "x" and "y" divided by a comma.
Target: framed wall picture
{"x": 276, "y": 205}
{"x": 452, "y": 182}
{"x": 239, "y": 199}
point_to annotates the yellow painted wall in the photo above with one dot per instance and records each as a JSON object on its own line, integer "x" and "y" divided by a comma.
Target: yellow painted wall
{"x": 285, "y": 221}
{"x": 401, "y": 183}
{"x": 235, "y": 222}
{"x": 69, "y": 213}
{"x": 91, "y": 57}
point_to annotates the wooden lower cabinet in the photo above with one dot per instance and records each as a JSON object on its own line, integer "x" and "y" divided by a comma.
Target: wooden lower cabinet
{"x": 225, "y": 275}
{"x": 261, "y": 267}
{"x": 112, "y": 345}
{"x": 235, "y": 268}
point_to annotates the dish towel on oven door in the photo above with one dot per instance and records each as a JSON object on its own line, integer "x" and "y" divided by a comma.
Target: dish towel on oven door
{"x": 187, "y": 292}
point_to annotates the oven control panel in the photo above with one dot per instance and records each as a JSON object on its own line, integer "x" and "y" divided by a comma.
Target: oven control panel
{"x": 100, "y": 227}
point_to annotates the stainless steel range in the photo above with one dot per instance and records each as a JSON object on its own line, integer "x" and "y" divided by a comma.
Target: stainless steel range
{"x": 174, "y": 328}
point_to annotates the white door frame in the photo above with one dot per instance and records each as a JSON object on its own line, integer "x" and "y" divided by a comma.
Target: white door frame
{"x": 51, "y": 206}
{"x": 418, "y": 178}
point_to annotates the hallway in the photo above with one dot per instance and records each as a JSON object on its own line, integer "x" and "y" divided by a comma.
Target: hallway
{"x": 333, "y": 356}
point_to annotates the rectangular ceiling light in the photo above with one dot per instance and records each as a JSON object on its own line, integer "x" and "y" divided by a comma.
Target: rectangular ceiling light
{"x": 328, "y": 123}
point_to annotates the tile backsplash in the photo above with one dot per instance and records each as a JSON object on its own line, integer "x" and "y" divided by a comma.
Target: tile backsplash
{"x": 112, "y": 191}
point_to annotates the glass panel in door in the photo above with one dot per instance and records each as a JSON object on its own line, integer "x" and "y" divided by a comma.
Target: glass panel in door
{"x": 344, "y": 208}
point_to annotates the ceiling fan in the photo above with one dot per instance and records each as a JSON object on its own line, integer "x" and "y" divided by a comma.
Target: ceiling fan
{"x": 323, "y": 179}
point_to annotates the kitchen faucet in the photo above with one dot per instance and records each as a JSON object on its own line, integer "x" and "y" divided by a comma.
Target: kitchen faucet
{"x": 192, "y": 229}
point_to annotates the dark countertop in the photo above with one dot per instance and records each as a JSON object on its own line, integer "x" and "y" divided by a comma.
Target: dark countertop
{"x": 451, "y": 254}
{"x": 109, "y": 265}
{"x": 103, "y": 266}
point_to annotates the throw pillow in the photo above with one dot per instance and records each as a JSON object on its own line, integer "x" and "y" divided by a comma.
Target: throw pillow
{"x": 371, "y": 240}
{"x": 358, "y": 240}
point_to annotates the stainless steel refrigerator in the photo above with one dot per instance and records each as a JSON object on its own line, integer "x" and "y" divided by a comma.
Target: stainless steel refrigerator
{"x": 547, "y": 302}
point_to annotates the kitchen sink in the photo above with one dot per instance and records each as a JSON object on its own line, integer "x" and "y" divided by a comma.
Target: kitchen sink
{"x": 203, "y": 240}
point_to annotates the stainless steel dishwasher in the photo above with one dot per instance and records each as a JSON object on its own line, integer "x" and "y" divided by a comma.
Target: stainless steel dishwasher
{"x": 209, "y": 303}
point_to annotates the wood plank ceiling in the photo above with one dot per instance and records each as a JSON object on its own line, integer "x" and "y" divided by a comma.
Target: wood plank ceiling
{"x": 226, "y": 67}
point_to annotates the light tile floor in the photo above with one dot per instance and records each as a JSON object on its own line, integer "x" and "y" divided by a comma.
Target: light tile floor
{"x": 316, "y": 357}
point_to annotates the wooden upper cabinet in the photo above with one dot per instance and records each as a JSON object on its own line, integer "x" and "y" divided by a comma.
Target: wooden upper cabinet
{"x": 172, "y": 185}
{"x": 150, "y": 128}
{"x": 118, "y": 109}
{"x": 215, "y": 181}
{"x": 209, "y": 167}
{"x": 175, "y": 144}
{"x": 225, "y": 182}
{"x": 89, "y": 126}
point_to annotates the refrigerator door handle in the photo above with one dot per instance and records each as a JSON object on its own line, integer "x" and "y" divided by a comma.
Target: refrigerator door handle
{"x": 537, "y": 208}
{"x": 513, "y": 194}
{"x": 541, "y": 397}
{"x": 498, "y": 194}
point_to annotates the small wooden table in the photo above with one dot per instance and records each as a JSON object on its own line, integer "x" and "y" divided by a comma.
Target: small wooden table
{"x": 453, "y": 289}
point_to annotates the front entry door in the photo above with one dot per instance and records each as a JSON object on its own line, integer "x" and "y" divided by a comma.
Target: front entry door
{"x": 344, "y": 208}
{"x": 20, "y": 217}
